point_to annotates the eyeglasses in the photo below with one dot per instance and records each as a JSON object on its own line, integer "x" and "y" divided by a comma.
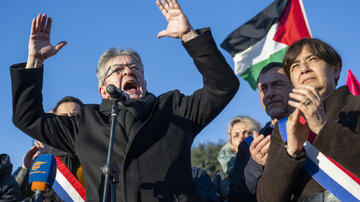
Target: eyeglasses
{"x": 119, "y": 68}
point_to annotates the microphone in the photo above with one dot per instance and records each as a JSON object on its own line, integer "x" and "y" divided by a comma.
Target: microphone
{"x": 42, "y": 175}
{"x": 116, "y": 93}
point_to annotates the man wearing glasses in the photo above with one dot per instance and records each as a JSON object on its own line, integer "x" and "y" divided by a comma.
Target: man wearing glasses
{"x": 153, "y": 134}
{"x": 124, "y": 69}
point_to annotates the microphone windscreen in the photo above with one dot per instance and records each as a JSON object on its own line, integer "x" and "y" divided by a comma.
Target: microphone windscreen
{"x": 111, "y": 89}
{"x": 43, "y": 172}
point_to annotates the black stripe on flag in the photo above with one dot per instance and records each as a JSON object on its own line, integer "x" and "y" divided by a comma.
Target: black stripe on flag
{"x": 255, "y": 29}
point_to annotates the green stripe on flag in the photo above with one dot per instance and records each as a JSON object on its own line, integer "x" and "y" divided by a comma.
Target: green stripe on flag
{"x": 252, "y": 73}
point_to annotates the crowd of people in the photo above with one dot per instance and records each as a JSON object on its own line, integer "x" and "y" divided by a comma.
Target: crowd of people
{"x": 154, "y": 134}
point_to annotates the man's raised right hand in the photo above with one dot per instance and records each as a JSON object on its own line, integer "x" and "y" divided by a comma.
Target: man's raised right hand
{"x": 39, "y": 43}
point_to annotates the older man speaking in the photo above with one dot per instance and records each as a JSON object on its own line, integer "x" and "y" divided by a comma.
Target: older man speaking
{"x": 153, "y": 134}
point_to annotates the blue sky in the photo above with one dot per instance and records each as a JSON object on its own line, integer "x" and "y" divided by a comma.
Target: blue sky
{"x": 91, "y": 27}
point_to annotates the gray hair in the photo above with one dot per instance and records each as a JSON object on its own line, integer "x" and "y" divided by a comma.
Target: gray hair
{"x": 252, "y": 123}
{"x": 111, "y": 53}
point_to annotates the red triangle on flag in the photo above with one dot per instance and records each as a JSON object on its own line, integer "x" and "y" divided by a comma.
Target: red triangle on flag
{"x": 352, "y": 83}
{"x": 293, "y": 24}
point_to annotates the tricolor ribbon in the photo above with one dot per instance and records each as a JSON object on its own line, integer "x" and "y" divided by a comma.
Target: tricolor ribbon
{"x": 332, "y": 176}
{"x": 66, "y": 186}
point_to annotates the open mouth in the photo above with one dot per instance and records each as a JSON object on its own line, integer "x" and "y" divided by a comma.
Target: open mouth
{"x": 130, "y": 86}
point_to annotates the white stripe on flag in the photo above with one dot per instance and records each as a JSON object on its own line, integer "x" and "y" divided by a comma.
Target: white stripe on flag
{"x": 258, "y": 52}
{"x": 71, "y": 191}
{"x": 332, "y": 170}
{"x": 305, "y": 17}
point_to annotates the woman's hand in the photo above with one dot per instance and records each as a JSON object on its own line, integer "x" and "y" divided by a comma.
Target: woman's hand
{"x": 309, "y": 102}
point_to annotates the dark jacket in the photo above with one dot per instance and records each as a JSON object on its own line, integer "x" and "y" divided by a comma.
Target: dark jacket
{"x": 153, "y": 135}
{"x": 9, "y": 189}
{"x": 244, "y": 178}
{"x": 221, "y": 182}
{"x": 339, "y": 139}
{"x": 22, "y": 178}
{"x": 204, "y": 185}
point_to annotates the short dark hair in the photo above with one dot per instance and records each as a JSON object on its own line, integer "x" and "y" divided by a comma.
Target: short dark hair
{"x": 317, "y": 47}
{"x": 67, "y": 99}
{"x": 268, "y": 67}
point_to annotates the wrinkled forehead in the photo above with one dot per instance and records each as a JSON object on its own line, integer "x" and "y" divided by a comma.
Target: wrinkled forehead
{"x": 124, "y": 59}
{"x": 272, "y": 75}
{"x": 301, "y": 53}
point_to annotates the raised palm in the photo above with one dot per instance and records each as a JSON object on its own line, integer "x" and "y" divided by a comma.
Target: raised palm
{"x": 40, "y": 47}
{"x": 297, "y": 133}
{"x": 178, "y": 24}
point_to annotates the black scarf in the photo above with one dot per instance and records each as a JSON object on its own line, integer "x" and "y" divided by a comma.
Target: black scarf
{"x": 135, "y": 110}
{"x": 129, "y": 113}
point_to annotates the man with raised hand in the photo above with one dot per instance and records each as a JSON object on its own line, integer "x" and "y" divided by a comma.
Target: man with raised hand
{"x": 153, "y": 136}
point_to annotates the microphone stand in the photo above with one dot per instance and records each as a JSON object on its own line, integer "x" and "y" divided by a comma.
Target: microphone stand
{"x": 111, "y": 170}
{"x": 39, "y": 196}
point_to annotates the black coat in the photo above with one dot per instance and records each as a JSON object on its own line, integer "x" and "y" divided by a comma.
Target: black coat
{"x": 9, "y": 188}
{"x": 153, "y": 150}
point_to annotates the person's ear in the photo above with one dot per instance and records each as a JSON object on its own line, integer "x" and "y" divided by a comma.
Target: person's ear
{"x": 103, "y": 93}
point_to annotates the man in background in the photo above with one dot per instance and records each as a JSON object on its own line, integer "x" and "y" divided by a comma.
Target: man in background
{"x": 67, "y": 106}
{"x": 274, "y": 89}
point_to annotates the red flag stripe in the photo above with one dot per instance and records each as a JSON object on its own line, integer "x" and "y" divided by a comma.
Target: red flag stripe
{"x": 292, "y": 24}
{"x": 353, "y": 83}
{"x": 70, "y": 177}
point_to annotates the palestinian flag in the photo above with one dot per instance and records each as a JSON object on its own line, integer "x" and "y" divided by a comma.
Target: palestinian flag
{"x": 266, "y": 37}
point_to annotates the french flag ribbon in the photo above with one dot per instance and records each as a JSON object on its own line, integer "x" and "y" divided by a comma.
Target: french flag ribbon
{"x": 66, "y": 186}
{"x": 332, "y": 176}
